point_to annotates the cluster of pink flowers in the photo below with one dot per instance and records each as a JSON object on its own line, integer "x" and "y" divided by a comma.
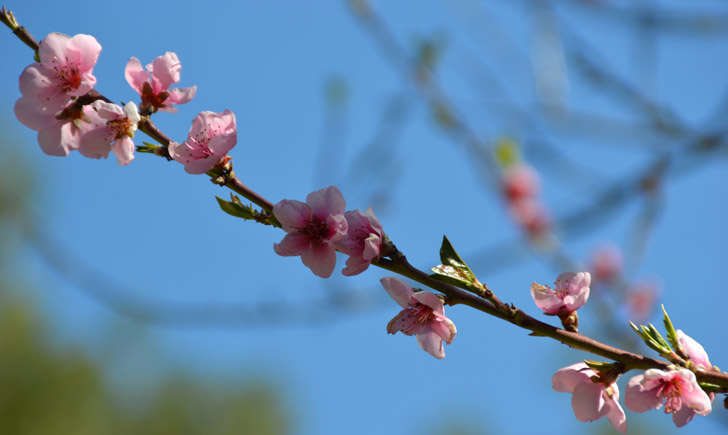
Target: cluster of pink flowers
{"x": 320, "y": 226}
{"x": 520, "y": 184}
{"x": 49, "y": 104}
{"x": 596, "y": 395}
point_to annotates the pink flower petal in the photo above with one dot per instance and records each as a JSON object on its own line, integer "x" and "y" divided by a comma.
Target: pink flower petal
{"x": 135, "y": 74}
{"x": 86, "y": 50}
{"x": 588, "y": 401}
{"x": 165, "y": 71}
{"x": 292, "y": 214}
{"x": 326, "y": 202}
{"x": 33, "y": 115}
{"x": 320, "y": 258}
{"x": 431, "y": 300}
{"x": 355, "y": 266}
{"x": 683, "y": 416}
{"x": 292, "y": 244}
{"x": 51, "y": 140}
{"x": 615, "y": 414}
{"x": 566, "y": 379}
{"x": 639, "y": 399}
{"x": 181, "y": 95}
{"x": 124, "y": 148}
{"x": 96, "y": 143}
{"x": 694, "y": 396}
{"x": 405, "y": 321}
{"x": 431, "y": 343}
{"x": 444, "y": 328}
{"x": 398, "y": 290}
{"x": 53, "y": 48}
{"x": 546, "y": 299}
{"x": 694, "y": 350}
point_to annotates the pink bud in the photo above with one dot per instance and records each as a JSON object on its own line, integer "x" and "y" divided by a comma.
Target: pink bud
{"x": 571, "y": 291}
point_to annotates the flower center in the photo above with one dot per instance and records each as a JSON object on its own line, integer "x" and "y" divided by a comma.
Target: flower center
{"x": 317, "y": 229}
{"x": 68, "y": 75}
{"x": 121, "y": 127}
{"x": 670, "y": 393}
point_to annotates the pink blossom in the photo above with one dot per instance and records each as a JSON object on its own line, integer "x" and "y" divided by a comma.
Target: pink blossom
{"x": 606, "y": 263}
{"x": 65, "y": 71}
{"x": 591, "y": 399}
{"x": 640, "y": 300}
{"x": 423, "y": 315}
{"x": 113, "y": 128}
{"x": 693, "y": 350}
{"x": 154, "y": 82}
{"x": 531, "y": 215}
{"x": 57, "y": 135}
{"x": 520, "y": 181}
{"x": 210, "y": 138}
{"x": 678, "y": 389}
{"x": 362, "y": 243}
{"x": 571, "y": 291}
{"x": 313, "y": 227}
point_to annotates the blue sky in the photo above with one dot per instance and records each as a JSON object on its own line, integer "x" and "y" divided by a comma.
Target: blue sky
{"x": 159, "y": 234}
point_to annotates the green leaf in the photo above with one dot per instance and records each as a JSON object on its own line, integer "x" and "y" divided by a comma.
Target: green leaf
{"x": 236, "y": 208}
{"x": 453, "y": 268}
{"x": 671, "y": 333}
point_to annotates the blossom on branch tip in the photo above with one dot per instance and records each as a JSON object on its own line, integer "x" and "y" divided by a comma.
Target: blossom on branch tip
{"x": 423, "y": 315}
{"x": 113, "y": 128}
{"x": 591, "y": 399}
{"x": 694, "y": 351}
{"x": 531, "y": 215}
{"x": 210, "y": 138}
{"x": 678, "y": 389}
{"x": 363, "y": 241}
{"x": 313, "y": 228}
{"x": 153, "y": 83}
{"x": 571, "y": 291}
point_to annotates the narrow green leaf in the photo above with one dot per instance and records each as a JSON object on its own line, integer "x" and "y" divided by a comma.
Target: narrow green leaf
{"x": 671, "y": 333}
{"x": 235, "y": 208}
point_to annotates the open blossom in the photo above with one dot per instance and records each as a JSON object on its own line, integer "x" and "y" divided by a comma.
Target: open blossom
{"x": 59, "y": 135}
{"x": 313, "y": 227}
{"x": 65, "y": 71}
{"x": 571, "y": 291}
{"x": 693, "y": 350}
{"x": 362, "y": 243}
{"x": 590, "y": 400}
{"x": 606, "y": 263}
{"x": 113, "y": 128}
{"x": 210, "y": 138}
{"x": 678, "y": 389}
{"x": 423, "y": 315}
{"x": 520, "y": 181}
{"x": 153, "y": 83}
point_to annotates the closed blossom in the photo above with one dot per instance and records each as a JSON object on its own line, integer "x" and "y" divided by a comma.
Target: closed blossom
{"x": 570, "y": 292}
{"x": 363, "y": 241}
